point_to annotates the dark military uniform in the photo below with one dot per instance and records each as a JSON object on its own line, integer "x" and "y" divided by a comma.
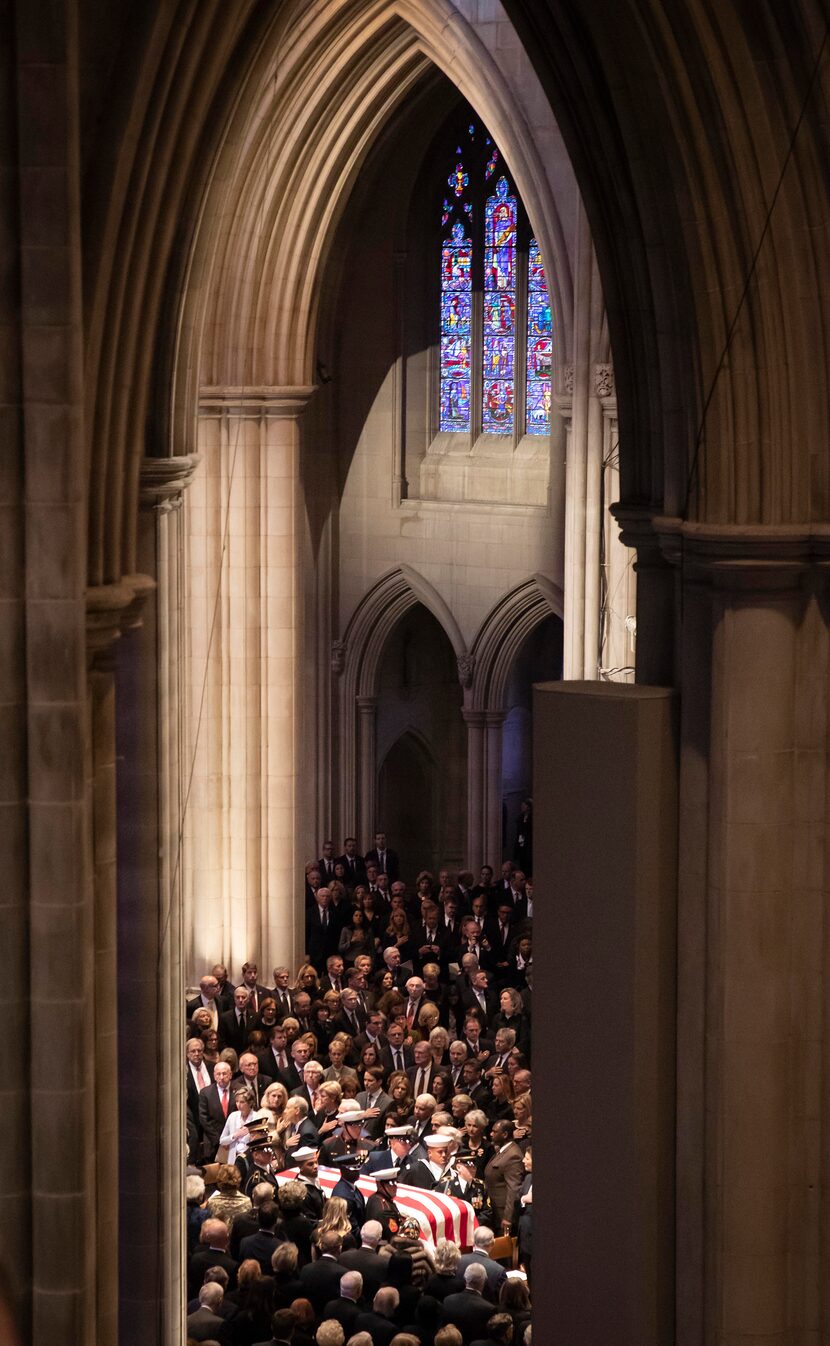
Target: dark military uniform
{"x": 449, "y": 1184}
{"x": 257, "y": 1175}
{"x": 336, "y": 1145}
{"x": 383, "y": 1209}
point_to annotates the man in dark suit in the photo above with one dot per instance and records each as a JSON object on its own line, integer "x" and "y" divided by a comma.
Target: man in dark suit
{"x": 380, "y": 1321}
{"x": 256, "y": 992}
{"x": 282, "y": 993}
{"x": 352, "y": 1018}
{"x": 499, "y": 931}
{"x": 335, "y": 978}
{"x": 208, "y": 998}
{"x": 473, "y": 1086}
{"x": 354, "y": 864}
{"x": 226, "y": 986}
{"x": 386, "y": 861}
{"x": 205, "y": 1323}
{"x": 311, "y": 1081}
{"x": 212, "y": 1252}
{"x": 322, "y": 931}
{"x": 392, "y": 961}
{"x": 321, "y": 1279}
{"x": 261, "y": 1245}
{"x": 215, "y": 1103}
{"x": 480, "y": 997}
{"x": 235, "y": 1024}
{"x": 469, "y": 1310}
{"x": 348, "y": 1305}
{"x": 276, "y": 1059}
{"x": 429, "y": 938}
{"x": 245, "y": 1225}
{"x": 394, "y": 1055}
{"x": 422, "y": 1073}
{"x": 482, "y": 1248}
{"x": 326, "y": 863}
{"x": 251, "y": 1076}
{"x": 366, "y": 1259}
{"x": 197, "y": 1075}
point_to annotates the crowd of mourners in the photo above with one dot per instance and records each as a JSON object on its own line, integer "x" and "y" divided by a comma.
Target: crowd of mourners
{"x": 400, "y": 1050}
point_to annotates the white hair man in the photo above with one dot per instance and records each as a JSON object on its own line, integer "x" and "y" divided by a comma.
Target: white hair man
{"x": 366, "y": 1259}
{"x": 347, "y": 1308}
{"x": 205, "y": 1324}
{"x": 376, "y": 1320}
{"x": 483, "y": 1239}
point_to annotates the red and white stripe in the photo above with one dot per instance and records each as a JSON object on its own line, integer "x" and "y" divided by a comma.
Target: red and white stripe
{"x": 438, "y": 1216}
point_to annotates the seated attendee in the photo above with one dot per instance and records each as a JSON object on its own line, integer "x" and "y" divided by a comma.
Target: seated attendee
{"x": 379, "y": 1321}
{"x": 197, "y": 1211}
{"x": 483, "y": 1240}
{"x": 285, "y": 1276}
{"x": 211, "y": 1252}
{"x": 206, "y": 1324}
{"x": 261, "y": 1245}
{"x": 445, "y": 1279}
{"x": 347, "y": 1306}
{"x": 468, "y": 1310}
{"x": 253, "y": 1300}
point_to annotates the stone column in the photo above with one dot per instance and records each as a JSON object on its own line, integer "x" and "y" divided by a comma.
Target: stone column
{"x": 474, "y": 720}
{"x": 656, "y": 596}
{"x": 494, "y": 730}
{"x": 152, "y": 781}
{"x": 577, "y": 460}
{"x": 367, "y": 709}
{"x": 243, "y": 870}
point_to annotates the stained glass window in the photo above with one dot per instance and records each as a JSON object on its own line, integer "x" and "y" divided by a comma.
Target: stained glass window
{"x": 539, "y": 345}
{"x": 500, "y": 215}
{"x": 456, "y": 329}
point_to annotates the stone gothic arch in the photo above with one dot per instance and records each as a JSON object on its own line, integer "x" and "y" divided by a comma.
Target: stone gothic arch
{"x": 492, "y": 653}
{"x": 356, "y": 661}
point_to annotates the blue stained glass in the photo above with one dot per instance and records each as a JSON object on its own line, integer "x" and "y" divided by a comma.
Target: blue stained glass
{"x": 456, "y": 312}
{"x": 498, "y": 357}
{"x": 497, "y": 409}
{"x": 499, "y": 312}
{"x": 500, "y": 216}
{"x": 455, "y": 405}
{"x": 458, "y": 180}
{"x": 539, "y": 345}
{"x": 455, "y": 357}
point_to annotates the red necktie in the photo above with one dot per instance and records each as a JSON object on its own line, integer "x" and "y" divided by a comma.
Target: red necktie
{"x": 224, "y": 1098}
{"x": 202, "y": 1078}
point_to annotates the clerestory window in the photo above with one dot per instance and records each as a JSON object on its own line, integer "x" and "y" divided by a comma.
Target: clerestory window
{"x": 495, "y": 316}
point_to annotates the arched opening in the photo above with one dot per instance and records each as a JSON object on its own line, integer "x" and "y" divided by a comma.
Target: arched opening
{"x": 538, "y": 660}
{"x": 420, "y": 731}
{"x": 406, "y": 801}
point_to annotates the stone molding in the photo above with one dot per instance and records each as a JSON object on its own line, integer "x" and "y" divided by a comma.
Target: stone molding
{"x": 112, "y": 609}
{"x": 466, "y": 668}
{"x": 164, "y": 480}
{"x": 338, "y": 656}
{"x": 604, "y": 385}
{"x": 278, "y": 403}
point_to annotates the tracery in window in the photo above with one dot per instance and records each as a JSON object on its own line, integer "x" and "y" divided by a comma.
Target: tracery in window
{"x": 495, "y": 320}
{"x": 499, "y": 282}
{"x": 539, "y": 345}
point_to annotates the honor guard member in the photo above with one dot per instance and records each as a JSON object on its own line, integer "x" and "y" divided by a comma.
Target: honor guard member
{"x": 439, "y": 1149}
{"x": 410, "y": 1170}
{"x": 262, "y": 1162}
{"x": 381, "y": 1206}
{"x": 461, "y": 1180}
{"x": 350, "y": 1119}
{"x": 304, "y": 1160}
{"x": 348, "y": 1166}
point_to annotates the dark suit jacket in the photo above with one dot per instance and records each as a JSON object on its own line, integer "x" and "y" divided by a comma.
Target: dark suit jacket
{"x": 321, "y": 941}
{"x": 392, "y": 867}
{"x": 439, "y": 942}
{"x": 232, "y": 1033}
{"x": 321, "y": 1281}
{"x": 205, "y": 1325}
{"x": 469, "y": 1000}
{"x": 243, "y": 1226}
{"x": 277, "y": 995}
{"x": 415, "y": 1173}
{"x": 343, "y": 1025}
{"x": 371, "y": 1266}
{"x": 412, "y": 1075}
{"x": 496, "y": 1273}
{"x": 469, "y": 1312}
{"x": 259, "y": 1085}
{"x": 193, "y": 1093}
{"x": 326, "y": 877}
{"x": 211, "y": 1117}
{"x": 268, "y": 1065}
{"x": 260, "y": 1246}
{"x": 345, "y": 1311}
{"x": 355, "y": 868}
{"x": 194, "y": 1004}
{"x": 387, "y": 1062}
{"x": 380, "y": 1329}
{"x": 201, "y": 1261}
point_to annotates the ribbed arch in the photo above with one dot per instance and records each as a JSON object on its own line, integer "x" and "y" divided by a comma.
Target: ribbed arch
{"x": 502, "y": 634}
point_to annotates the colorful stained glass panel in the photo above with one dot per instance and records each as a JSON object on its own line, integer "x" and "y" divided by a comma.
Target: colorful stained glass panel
{"x": 455, "y": 404}
{"x": 456, "y": 312}
{"x": 539, "y": 345}
{"x": 499, "y": 312}
{"x": 498, "y": 357}
{"x": 497, "y": 410}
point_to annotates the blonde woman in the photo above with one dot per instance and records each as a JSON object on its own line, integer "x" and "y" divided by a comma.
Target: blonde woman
{"x": 331, "y": 1096}
{"x": 335, "y": 1217}
{"x": 339, "y": 1048}
{"x": 439, "y": 1045}
{"x": 523, "y": 1112}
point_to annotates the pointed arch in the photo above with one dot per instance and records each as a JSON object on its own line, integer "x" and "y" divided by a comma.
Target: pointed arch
{"x": 502, "y": 634}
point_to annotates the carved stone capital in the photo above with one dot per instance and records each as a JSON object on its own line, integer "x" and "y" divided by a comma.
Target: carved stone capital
{"x": 757, "y": 558}
{"x": 604, "y": 381}
{"x": 164, "y": 480}
{"x": 568, "y": 378}
{"x": 466, "y": 668}
{"x": 112, "y": 609}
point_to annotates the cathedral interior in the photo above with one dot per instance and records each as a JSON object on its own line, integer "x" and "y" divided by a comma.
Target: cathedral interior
{"x": 411, "y": 407}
